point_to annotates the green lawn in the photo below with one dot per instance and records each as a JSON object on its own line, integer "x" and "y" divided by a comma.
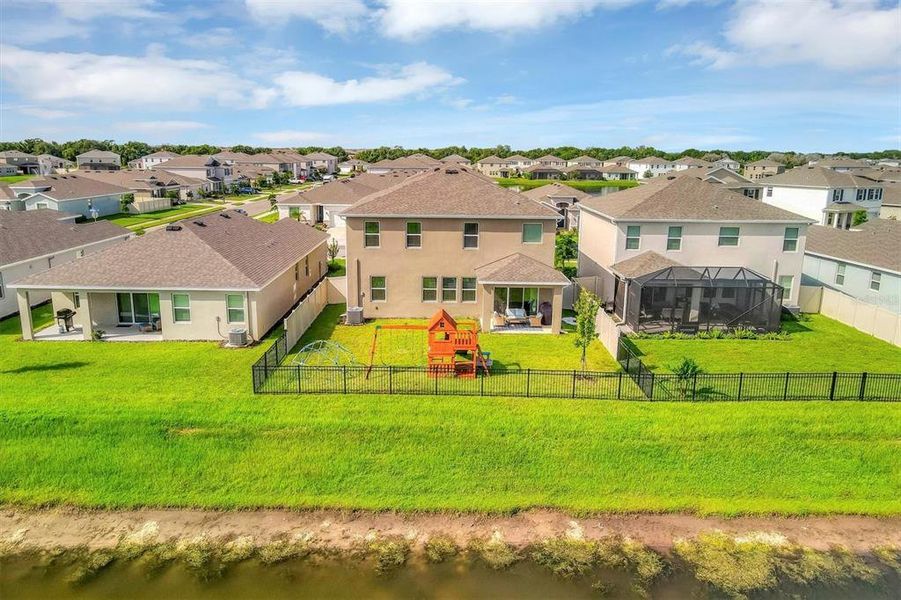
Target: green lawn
{"x": 268, "y": 217}
{"x": 579, "y": 184}
{"x": 104, "y": 424}
{"x": 817, "y": 343}
{"x": 337, "y": 267}
{"x": 8, "y": 179}
{"x": 409, "y": 348}
{"x": 159, "y": 217}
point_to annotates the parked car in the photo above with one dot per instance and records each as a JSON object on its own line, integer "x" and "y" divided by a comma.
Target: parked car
{"x": 295, "y": 181}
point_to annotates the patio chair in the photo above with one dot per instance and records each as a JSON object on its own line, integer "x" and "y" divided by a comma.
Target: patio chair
{"x": 499, "y": 320}
{"x": 516, "y": 316}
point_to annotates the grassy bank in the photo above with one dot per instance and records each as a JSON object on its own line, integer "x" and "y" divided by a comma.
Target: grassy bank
{"x": 584, "y": 185}
{"x": 175, "y": 424}
{"x": 8, "y": 179}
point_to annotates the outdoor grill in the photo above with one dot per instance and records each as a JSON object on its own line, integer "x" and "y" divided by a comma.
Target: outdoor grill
{"x": 64, "y": 319}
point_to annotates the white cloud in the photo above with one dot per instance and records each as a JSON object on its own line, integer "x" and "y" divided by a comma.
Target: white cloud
{"x": 97, "y": 9}
{"x": 702, "y": 53}
{"x": 303, "y": 88}
{"x": 161, "y": 126}
{"x": 411, "y": 19}
{"x": 45, "y": 113}
{"x": 217, "y": 37}
{"x": 835, "y": 34}
{"x": 335, "y": 16}
{"x": 506, "y": 99}
{"x": 290, "y": 137}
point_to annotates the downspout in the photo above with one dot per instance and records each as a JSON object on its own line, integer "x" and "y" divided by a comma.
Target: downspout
{"x": 250, "y": 321}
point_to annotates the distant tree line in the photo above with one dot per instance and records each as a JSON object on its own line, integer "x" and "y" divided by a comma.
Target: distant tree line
{"x": 133, "y": 150}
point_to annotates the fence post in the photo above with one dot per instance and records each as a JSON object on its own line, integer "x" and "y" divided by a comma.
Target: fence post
{"x": 344, "y": 377}
{"x": 694, "y": 387}
{"x": 785, "y": 389}
{"x": 390, "y": 379}
{"x": 741, "y": 380}
{"x": 619, "y": 386}
{"x": 651, "y": 395}
{"x": 832, "y": 387}
{"x": 573, "y": 395}
{"x": 437, "y": 375}
{"x": 297, "y": 374}
{"x": 863, "y": 386}
{"x": 528, "y": 383}
{"x": 481, "y": 384}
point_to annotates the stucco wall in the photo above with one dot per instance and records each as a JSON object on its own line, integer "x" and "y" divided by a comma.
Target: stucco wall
{"x": 822, "y": 271}
{"x": 810, "y": 202}
{"x": 869, "y": 318}
{"x": 105, "y": 205}
{"x": 271, "y": 304}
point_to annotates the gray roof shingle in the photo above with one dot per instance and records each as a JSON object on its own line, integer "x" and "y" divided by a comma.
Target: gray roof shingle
{"x": 818, "y": 177}
{"x": 519, "y": 268}
{"x": 32, "y": 233}
{"x": 876, "y": 243}
{"x": 67, "y": 187}
{"x": 643, "y": 264}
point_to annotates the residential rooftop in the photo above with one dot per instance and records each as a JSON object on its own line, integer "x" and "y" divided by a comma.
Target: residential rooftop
{"x": 555, "y": 190}
{"x": 99, "y": 154}
{"x": 817, "y": 177}
{"x": 188, "y": 161}
{"x": 68, "y": 187}
{"x": 518, "y": 268}
{"x": 876, "y": 243}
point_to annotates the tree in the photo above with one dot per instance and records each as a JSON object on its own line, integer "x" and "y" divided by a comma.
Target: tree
{"x": 566, "y": 246}
{"x": 586, "y": 308}
{"x": 332, "y": 249}
{"x": 272, "y": 198}
{"x": 126, "y": 200}
{"x": 647, "y": 174}
{"x": 860, "y": 217}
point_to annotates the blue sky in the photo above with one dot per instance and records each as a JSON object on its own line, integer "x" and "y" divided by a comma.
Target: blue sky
{"x": 806, "y": 75}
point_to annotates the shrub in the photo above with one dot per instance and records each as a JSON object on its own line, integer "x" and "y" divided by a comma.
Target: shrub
{"x": 200, "y": 558}
{"x": 390, "y": 553}
{"x": 157, "y": 558}
{"x": 806, "y": 566}
{"x": 743, "y": 333}
{"x": 889, "y": 556}
{"x": 731, "y": 567}
{"x": 282, "y": 550}
{"x": 439, "y": 548}
{"x": 494, "y": 552}
{"x": 616, "y": 552}
{"x": 566, "y": 556}
{"x": 88, "y": 565}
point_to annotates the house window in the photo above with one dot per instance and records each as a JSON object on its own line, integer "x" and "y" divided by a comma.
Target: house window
{"x": 469, "y": 289}
{"x": 840, "y": 274}
{"x": 470, "y": 235}
{"x": 181, "y": 308}
{"x": 371, "y": 237}
{"x": 875, "y": 280}
{"x": 448, "y": 289}
{"x": 76, "y": 299}
{"x": 729, "y": 236}
{"x": 785, "y": 281}
{"x": 234, "y": 304}
{"x": 838, "y": 194}
{"x": 429, "y": 289}
{"x": 531, "y": 233}
{"x": 306, "y": 266}
{"x": 769, "y": 192}
{"x": 296, "y": 271}
{"x": 414, "y": 234}
{"x": 790, "y": 241}
{"x": 378, "y": 288}
{"x": 633, "y": 237}
{"x": 674, "y": 238}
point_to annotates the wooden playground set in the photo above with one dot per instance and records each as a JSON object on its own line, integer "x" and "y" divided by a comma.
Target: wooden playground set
{"x": 454, "y": 349}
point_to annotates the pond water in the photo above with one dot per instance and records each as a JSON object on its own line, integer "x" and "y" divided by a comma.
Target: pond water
{"x": 23, "y": 578}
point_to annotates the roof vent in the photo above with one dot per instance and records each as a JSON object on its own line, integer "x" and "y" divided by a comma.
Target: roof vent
{"x": 241, "y": 210}
{"x": 225, "y": 216}
{"x": 173, "y": 227}
{"x": 199, "y": 223}
{"x": 451, "y": 171}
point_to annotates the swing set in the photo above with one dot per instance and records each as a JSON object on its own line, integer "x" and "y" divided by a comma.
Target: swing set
{"x": 454, "y": 351}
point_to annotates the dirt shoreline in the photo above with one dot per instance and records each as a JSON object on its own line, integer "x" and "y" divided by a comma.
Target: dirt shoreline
{"x": 70, "y": 527}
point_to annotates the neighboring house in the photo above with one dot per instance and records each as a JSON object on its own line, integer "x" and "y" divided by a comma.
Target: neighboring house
{"x": 651, "y": 166}
{"x": 549, "y": 160}
{"x": 843, "y": 165}
{"x": 539, "y": 171}
{"x": 151, "y": 189}
{"x": 151, "y": 160}
{"x": 324, "y": 162}
{"x": 49, "y": 164}
{"x": 99, "y": 160}
{"x": 629, "y": 240}
{"x": 619, "y": 161}
{"x": 353, "y": 165}
{"x": 71, "y": 194}
{"x": 891, "y": 201}
{"x": 31, "y": 242}
{"x": 414, "y": 162}
{"x": 455, "y": 240}
{"x": 722, "y": 176}
{"x": 194, "y": 280}
{"x": 864, "y": 263}
{"x": 9, "y": 200}
{"x": 250, "y": 174}
{"x": 728, "y": 163}
{"x": 456, "y": 159}
{"x": 687, "y": 162}
{"x": 589, "y": 173}
{"x": 229, "y": 158}
{"x": 216, "y": 174}
{"x": 6, "y": 170}
{"x": 585, "y": 161}
{"x": 760, "y": 169}
{"x": 324, "y": 203}
{"x": 563, "y": 199}
{"x": 827, "y": 196}
{"x": 27, "y": 164}
{"x": 519, "y": 162}
{"x": 617, "y": 172}
{"x": 494, "y": 166}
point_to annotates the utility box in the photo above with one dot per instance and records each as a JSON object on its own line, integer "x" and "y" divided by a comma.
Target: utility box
{"x": 355, "y": 315}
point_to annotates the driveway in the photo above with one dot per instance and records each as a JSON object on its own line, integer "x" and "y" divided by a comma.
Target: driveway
{"x": 340, "y": 234}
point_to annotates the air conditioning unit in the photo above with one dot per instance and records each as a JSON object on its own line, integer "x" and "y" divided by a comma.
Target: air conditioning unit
{"x": 237, "y": 337}
{"x": 355, "y": 315}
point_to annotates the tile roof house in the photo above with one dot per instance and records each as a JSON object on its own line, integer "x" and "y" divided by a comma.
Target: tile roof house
{"x": 827, "y": 196}
{"x": 33, "y": 241}
{"x": 863, "y": 262}
{"x": 194, "y": 280}
{"x": 685, "y": 220}
{"x": 216, "y": 174}
{"x": 453, "y": 239}
{"x": 99, "y": 160}
{"x": 763, "y": 168}
{"x": 72, "y": 194}
{"x": 562, "y": 198}
{"x": 651, "y": 166}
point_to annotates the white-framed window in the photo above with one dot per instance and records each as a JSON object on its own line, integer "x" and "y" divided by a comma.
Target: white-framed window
{"x": 306, "y": 266}
{"x": 371, "y": 234}
{"x": 786, "y": 281}
{"x": 378, "y": 288}
{"x": 769, "y": 192}
{"x": 414, "y": 234}
{"x": 838, "y": 194}
{"x": 633, "y": 237}
{"x": 875, "y": 280}
{"x": 470, "y": 235}
{"x": 532, "y": 233}
{"x": 840, "y": 273}
{"x": 729, "y": 236}
{"x": 429, "y": 289}
{"x": 234, "y": 306}
{"x": 181, "y": 308}
{"x": 790, "y": 241}
{"x": 469, "y": 289}
{"x": 76, "y": 299}
{"x": 674, "y": 237}
{"x": 448, "y": 289}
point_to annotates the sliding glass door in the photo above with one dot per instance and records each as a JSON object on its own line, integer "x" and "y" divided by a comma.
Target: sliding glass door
{"x": 137, "y": 307}
{"x": 516, "y": 297}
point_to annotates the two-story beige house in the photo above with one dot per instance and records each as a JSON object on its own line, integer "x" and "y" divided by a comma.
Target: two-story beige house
{"x": 216, "y": 173}
{"x": 763, "y": 168}
{"x": 453, "y": 239}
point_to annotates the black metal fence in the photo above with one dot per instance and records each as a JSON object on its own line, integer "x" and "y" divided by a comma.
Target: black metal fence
{"x": 634, "y": 382}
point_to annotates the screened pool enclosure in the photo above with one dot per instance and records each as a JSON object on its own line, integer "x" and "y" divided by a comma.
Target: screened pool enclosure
{"x": 691, "y": 299}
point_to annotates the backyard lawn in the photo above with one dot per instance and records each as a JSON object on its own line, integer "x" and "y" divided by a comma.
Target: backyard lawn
{"x": 105, "y": 424}
{"x": 409, "y": 348}
{"x": 337, "y": 267}
{"x": 8, "y": 179}
{"x": 816, "y": 343}
{"x": 159, "y": 217}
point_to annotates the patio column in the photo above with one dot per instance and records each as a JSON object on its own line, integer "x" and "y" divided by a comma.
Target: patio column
{"x": 557, "y": 310}
{"x": 25, "y": 314}
{"x": 487, "y": 311}
{"x": 87, "y": 322}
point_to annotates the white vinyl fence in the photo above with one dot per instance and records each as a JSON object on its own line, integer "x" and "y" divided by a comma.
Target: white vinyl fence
{"x": 869, "y": 318}
{"x": 300, "y": 319}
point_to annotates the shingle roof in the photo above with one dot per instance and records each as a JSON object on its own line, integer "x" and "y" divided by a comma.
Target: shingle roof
{"x": 32, "y": 233}
{"x": 817, "y": 177}
{"x": 347, "y": 190}
{"x": 643, "y": 264}
{"x": 234, "y": 253}
{"x": 188, "y": 161}
{"x": 15, "y": 154}
{"x": 764, "y": 162}
{"x": 876, "y": 243}
{"x": 519, "y": 268}
{"x": 840, "y": 162}
{"x": 616, "y": 169}
{"x": 891, "y": 194}
{"x": 455, "y": 159}
{"x": 494, "y": 160}
{"x": 67, "y": 187}
{"x": 713, "y": 174}
{"x": 537, "y": 168}
{"x": 579, "y": 168}
{"x": 452, "y": 192}
{"x": 321, "y": 156}
{"x": 693, "y": 162}
{"x": 134, "y": 180}
{"x": 99, "y": 154}
{"x": 232, "y": 156}
{"x": 651, "y": 160}
{"x": 408, "y": 162}
{"x": 161, "y": 154}
{"x": 550, "y": 158}
{"x": 555, "y": 190}
{"x": 686, "y": 198}
{"x": 519, "y": 158}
